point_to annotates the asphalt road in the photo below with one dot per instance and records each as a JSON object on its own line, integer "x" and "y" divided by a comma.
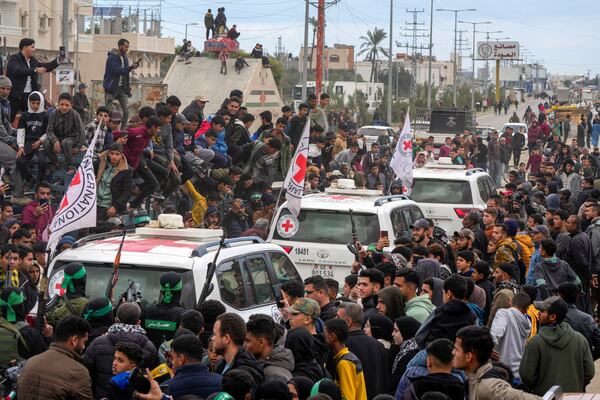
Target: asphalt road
{"x": 491, "y": 119}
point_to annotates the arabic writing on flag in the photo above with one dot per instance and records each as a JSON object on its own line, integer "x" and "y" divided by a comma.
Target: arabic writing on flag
{"x": 294, "y": 181}
{"x": 402, "y": 160}
{"x": 77, "y": 208}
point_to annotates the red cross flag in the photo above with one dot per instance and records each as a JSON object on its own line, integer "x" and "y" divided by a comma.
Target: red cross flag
{"x": 294, "y": 181}
{"x": 78, "y": 206}
{"x": 402, "y": 161}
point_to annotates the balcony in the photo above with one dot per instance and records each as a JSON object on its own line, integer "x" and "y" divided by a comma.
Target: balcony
{"x": 84, "y": 3}
{"x": 11, "y": 30}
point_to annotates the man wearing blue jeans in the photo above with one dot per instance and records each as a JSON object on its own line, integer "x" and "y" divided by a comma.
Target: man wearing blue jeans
{"x": 116, "y": 79}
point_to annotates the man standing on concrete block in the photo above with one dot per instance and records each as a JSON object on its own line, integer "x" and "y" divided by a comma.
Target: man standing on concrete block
{"x": 116, "y": 79}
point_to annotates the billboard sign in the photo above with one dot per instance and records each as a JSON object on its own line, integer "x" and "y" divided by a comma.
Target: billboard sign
{"x": 498, "y": 50}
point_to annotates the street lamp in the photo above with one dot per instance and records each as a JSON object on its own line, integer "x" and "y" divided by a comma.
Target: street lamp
{"x": 190, "y": 24}
{"x": 473, "y": 85}
{"x": 454, "y": 83}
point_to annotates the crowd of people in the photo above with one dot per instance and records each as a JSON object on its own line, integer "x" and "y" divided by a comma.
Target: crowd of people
{"x": 504, "y": 308}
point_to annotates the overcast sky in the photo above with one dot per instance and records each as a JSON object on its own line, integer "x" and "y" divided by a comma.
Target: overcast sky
{"x": 562, "y": 34}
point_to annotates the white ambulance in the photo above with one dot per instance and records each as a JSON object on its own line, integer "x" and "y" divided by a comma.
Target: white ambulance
{"x": 317, "y": 241}
{"x": 247, "y": 277}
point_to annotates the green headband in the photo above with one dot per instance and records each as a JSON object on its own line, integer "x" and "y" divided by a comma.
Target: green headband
{"x": 67, "y": 282}
{"x": 14, "y": 299}
{"x": 315, "y": 389}
{"x": 101, "y": 312}
{"x": 167, "y": 291}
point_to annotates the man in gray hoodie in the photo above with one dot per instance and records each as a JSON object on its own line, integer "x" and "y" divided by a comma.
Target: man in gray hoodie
{"x": 260, "y": 342}
{"x": 552, "y": 272}
{"x": 510, "y": 330}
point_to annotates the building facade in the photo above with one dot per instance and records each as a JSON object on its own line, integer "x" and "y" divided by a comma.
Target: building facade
{"x": 338, "y": 57}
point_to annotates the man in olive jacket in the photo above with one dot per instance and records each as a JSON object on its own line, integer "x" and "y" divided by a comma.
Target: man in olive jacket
{"x": 557, "y": 355}
{"x": 59, "y": 373}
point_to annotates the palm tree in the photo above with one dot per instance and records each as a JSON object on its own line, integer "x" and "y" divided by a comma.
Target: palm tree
{"x": 315, "y": 24}
{"x": 371, "y": 46}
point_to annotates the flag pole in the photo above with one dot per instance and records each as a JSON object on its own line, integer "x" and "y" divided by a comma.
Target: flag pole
{"x": 398, "y": 138}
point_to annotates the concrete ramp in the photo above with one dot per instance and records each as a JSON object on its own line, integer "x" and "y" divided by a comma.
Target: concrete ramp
{"x": 202, "y": 77}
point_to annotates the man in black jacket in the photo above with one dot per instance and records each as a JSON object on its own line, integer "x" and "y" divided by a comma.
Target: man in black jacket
{"x": 580, "y": 321}
{"x": 297, "y": 125}
{"x": 579, "y": 257}
{"x": 100, "y": 353}
{"x": 114, "y": 182}
{"x": 229, "y": 335}
{"x": 370, "y": 352}
{"x": 23, "y": 70}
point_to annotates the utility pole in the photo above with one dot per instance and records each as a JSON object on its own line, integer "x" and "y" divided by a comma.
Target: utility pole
{"x": 65, "y": 37}
{"x": 305, "y": 54}
{"x": 429, "y": 89}
{"x": 413, "y": 27}
{"x": 454, "y": 82}
{"x": 320, "y": 49}
{"x": 460, "y": 46}
{"x": 321, "y": 6}
{"x": 389, "y": 104}
{"x": 473, "y": 60}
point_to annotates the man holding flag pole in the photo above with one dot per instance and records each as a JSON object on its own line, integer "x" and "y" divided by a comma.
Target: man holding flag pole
{"x": 402, "y": 159}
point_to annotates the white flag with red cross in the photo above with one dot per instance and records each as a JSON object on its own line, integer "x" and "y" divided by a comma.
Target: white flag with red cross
{"x": 294, "y": 181}
{"x": 402, "y": 160}
{"x": 77, "y": 208}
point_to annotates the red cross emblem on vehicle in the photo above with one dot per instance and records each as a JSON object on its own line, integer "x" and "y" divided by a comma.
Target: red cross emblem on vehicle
{"x": 287, "y": 225}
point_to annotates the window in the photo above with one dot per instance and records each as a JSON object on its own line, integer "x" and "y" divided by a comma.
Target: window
{"x": 283, "y": 267}
{"x": 398, "y": 223}
{"x": 334, "y": 58}
{"x": 483, "y": 189}
{"x": 43, "y": 23}
{"x": 262, "y": 288}
{"x": 232, "y": 284}
{"x": 147, "y": 279}
{"x": 339, "y": 90}
{"x": 439, "y": 191}
{"x": 334, "y": 227}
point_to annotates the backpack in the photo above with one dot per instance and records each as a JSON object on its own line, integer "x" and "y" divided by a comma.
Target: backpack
{"x": 10, "y": 337}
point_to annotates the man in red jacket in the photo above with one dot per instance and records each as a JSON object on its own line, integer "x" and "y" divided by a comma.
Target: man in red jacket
{"x": 38, "y": 212}
{"x": 135, "y": 141}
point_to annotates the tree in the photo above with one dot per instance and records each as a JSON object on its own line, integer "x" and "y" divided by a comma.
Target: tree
{"x": 371, "y": 46}
{"x": 314, "y": 23}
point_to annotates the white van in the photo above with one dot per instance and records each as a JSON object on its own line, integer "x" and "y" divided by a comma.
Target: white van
{"x": 447, "y": 193}
{"x": 317, "y": 241}
{"x": 247, "y": 278}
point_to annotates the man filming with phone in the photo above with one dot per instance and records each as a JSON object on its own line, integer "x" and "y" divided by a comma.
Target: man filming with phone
{"x": 38, "y": 212}
{"x": 116, "y": 79}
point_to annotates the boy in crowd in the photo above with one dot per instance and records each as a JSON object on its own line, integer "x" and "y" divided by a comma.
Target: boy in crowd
{"x": 100, "y": 124}
{"x": 65, "y": 132}
{"x": 31, "y": 134}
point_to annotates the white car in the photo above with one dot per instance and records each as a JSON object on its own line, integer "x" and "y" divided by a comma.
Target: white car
{"x": 374, "y": 133}
{"x": 317, "y": 241}
{"x": 516, "y": 127}
{"x": 447, "y": 193}
{"x": 246, "y": 280}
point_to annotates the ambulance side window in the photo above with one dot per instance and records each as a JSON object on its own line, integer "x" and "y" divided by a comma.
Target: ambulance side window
{"x": 232, "y": 284}
{"x": 283, "y": 267}
{"x": 262, "y": 288}
{"x": 398, "y": 223}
